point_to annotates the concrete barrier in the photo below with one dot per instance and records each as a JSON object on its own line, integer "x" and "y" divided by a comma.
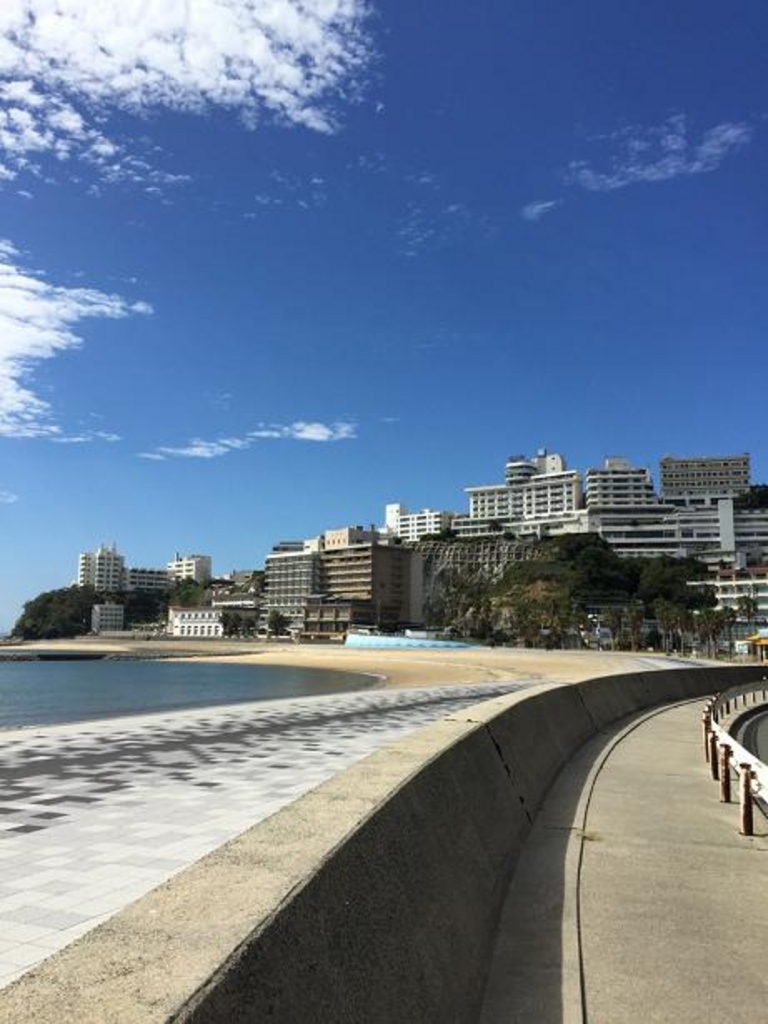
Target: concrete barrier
{"x": 374, "y": 899}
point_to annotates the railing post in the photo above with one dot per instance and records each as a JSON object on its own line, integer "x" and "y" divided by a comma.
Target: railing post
{"x": 706, "y": 723}
{"x": 745, "y": 799}
{"x": 725, "y": 774}
{"x": 713, "y": 765}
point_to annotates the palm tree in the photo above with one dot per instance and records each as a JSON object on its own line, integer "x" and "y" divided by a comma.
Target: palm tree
{"x": 747, "y": 606}
{"x": 666, "y": 616}
{"x": 709, "y": 625}
{"x": 635, "y": 621}
{"x": 613, "y": 620}
{"x": 729, "y": 617}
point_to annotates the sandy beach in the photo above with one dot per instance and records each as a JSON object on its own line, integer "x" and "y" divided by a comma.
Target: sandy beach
{"x": 396, "y": 668}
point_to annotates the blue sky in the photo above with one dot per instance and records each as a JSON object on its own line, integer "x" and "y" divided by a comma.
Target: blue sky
{"x": 268, "y": 266}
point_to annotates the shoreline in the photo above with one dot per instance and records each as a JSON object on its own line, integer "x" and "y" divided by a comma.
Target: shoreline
{"x": 394, "y": 668}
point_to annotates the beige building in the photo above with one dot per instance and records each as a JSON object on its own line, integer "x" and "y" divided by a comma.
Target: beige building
{"x": 386, "y": 577}
{"x": 704, "y": 477}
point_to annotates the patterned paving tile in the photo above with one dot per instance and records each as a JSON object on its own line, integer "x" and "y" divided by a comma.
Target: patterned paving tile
{"x": 93, "y": 815}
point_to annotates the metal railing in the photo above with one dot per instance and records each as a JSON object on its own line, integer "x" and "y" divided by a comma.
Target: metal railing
{"x": 724, "y": 754}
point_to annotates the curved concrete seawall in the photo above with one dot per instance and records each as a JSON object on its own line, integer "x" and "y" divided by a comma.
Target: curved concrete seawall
{"x": 374, "y": 898}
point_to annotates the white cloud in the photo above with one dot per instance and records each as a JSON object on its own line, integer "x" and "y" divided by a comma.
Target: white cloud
{"x": 66, "y": 65}
{"x": 660, "y": 153}
{"x": 301, "y": 430}
{"x": 539, "y": 208}
{"x": 8, "y": 498}
{"x": 36, "y": 323}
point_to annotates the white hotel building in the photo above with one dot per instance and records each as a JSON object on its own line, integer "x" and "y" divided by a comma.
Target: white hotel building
{"x": 412, "y": 526}
{"x": 190, "y": 567}
{"x": 195, "y": 622}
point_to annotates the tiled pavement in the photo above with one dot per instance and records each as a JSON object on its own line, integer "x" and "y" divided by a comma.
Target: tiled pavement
{"x": 95, "y": 814}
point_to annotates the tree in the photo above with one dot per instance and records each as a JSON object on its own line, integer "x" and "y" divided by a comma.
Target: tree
{"x": 635, "y": 622}
{"x": 729, "y": 617}
{"x": 708, "y": 627}
{"x": 231, "y": 623}
{"x": 747, "y": 606}
{"x": 277, "y": 623}
{"x": 57, "y": 613}
{"x": 666, "y": 615}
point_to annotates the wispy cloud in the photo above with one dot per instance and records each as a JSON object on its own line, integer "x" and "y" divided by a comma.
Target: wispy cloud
{"x": 660, "y": 153}
{"x": 284, "y": 190}
{"x": 86, "y": 437}
{"x": 65, "y": 68}
{"x": 301, "y": 430}
{"x": 36, "y": 323}
{"x": 539, "y": 208}
{"x": 424, "y": 227}
{"x": 8, "y": 498}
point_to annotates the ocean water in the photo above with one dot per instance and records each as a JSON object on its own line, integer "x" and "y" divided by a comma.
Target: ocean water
{"x": 47, "y": 693}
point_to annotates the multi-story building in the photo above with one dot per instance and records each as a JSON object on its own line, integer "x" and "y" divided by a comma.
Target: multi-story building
{"x": 190, "y": 567}
{"x": 195, "y": 622}
{"x": 107, "y": 618}
{"x": 102, "y": 569}
{"x": 548, "y": 496}
{"x": 136, "y": 578}
{"x": 619, "y": 484}
{"x": 292, "y": 574}
{"x": 387, "y": 577}
{"x": 412, "y": 526}
{"x": 732, "y": 585}
{"x": 536, "y": 491}
{"x": 704, "y": 479}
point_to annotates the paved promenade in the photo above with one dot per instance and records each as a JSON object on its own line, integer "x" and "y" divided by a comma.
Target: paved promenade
{"x": 95, "y": 814}
{"x": 636, "y": 899}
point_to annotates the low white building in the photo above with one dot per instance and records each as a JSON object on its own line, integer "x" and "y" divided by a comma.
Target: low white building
{"x": 412, "y": 526}
{"x": 195, "y": 622}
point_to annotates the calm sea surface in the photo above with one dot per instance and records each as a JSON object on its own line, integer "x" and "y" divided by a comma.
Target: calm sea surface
{"x": 45, "y": 693}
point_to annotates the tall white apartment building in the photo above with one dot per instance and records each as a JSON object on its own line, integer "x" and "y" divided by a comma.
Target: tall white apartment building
{"x": 552, "y": 495}
{"x": 102, "y": 569}
{"x": 412, "y": 526}
{"x": 190, "y": 567}
{"x": 619, "y": 484}
{"x": 535, "y": 491}
{"x": 491, "y": 501}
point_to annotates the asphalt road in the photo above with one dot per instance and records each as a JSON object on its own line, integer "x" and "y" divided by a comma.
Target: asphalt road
{"x": 754, "y": 736}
